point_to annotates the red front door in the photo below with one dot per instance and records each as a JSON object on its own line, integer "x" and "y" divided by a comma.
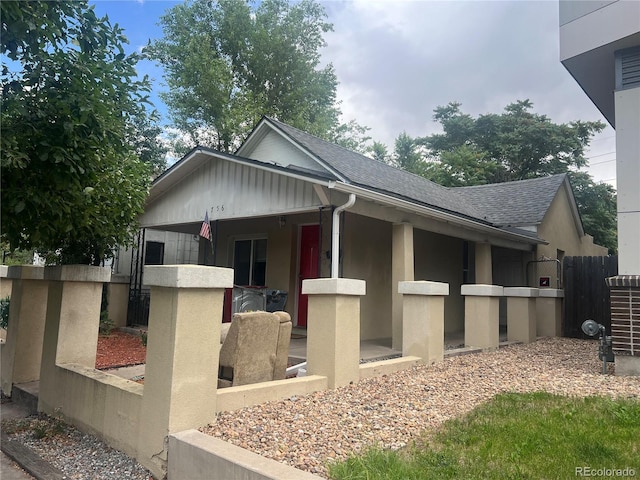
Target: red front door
{"x": 309, "y": 247}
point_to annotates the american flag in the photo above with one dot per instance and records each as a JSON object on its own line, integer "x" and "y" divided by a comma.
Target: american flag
{"x": 205, "y": 230}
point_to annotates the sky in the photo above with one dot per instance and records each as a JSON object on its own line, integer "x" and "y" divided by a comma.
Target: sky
{"x": 397, "y": 60}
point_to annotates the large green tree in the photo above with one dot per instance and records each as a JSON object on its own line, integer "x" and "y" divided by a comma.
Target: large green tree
{"x": 227, "y": 63}
{"x": 72, "y": 181}
{"x": 514, "y": 145}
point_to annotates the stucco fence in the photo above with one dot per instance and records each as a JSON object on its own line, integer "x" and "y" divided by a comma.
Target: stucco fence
{"x": 53, "y": 334}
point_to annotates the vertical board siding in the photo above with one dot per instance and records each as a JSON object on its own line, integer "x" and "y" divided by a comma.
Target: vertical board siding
{"x": 230, "y": 190}
{"x": 586, "y": 294}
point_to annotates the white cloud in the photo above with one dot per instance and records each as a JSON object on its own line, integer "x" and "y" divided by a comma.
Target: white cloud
{"x": 398, "y": 60}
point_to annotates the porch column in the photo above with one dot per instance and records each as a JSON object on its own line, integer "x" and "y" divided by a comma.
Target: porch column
{"x": 402, "y": 269}
{"x": 118, "y": 299}
{"x": 549, "y": 312}
{"x": 521, "y": 314}
{"x": 481, "y": 315}
{"x": 333, "y": 328}
{"x": 72, "y": 322}
{"x": 5, "y": 282}
{"x": 484, "y": 268}
{"x": 423, "y": 319}
{"x": 22, "y": 352}
{"x": 181, "y": 376}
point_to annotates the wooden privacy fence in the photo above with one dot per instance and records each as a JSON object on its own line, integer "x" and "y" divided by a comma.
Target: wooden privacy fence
{"x": 586, "y": 294}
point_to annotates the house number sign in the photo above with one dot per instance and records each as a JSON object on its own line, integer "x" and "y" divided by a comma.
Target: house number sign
{"x": 217, "y": 208}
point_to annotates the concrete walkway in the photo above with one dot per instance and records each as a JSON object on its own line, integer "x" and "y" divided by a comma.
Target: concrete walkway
{"x": 9, "y": 470}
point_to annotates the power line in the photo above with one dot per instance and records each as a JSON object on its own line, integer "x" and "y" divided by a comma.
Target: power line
{"x": 601, "y": 162}
{"x": 600, "y": 155}
{"x": 603, "y": 138}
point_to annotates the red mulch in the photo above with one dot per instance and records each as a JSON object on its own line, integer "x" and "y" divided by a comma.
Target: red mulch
{"x": 120, "y": 349}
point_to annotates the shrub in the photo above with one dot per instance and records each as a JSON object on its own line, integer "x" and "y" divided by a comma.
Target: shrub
{"x": 106, "y": 324}
{"x": 4, "y": 312}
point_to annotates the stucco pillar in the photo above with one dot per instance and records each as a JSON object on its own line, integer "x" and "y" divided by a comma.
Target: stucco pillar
{"x": 22, "y": 352}
{"x": 333, "y": 328}
{"x": 549, "y": 312}
{"x": 521, "y": 314}
{"x": 484, "y": 268}
{"x": 118, "y": 299}
{"x": 402, "y": 269}
{"x": 481, "y": 315}
{"x": 71, "y": 328}
{"x": 5, "y": 282}
{"x": 423, "y": 319}
{"x": 182, "y": 353}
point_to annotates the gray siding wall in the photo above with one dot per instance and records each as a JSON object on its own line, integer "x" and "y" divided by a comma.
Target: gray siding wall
{"x": 229, "y": 190}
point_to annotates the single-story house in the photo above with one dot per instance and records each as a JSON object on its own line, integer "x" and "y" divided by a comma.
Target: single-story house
{"x": 274, "y": 210}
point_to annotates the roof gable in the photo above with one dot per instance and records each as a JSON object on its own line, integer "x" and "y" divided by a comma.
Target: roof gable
{"x": 363, "y": 171}
{"x": 520, "y": 203}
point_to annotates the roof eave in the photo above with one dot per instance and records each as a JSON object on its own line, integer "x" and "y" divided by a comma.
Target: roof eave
{"x": 430, "y": 211}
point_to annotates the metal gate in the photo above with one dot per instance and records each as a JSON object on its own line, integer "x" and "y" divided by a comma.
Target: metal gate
{"x": 138, "y": 308}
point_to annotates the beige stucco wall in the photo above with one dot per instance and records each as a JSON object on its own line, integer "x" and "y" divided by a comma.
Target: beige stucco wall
{"x": 438, "y": 258}
{"x": 367, "y": 256}
{"x": 559, "y": 229}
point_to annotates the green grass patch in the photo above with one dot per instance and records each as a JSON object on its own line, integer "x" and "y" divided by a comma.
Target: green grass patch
{"x": 515, "y": 436}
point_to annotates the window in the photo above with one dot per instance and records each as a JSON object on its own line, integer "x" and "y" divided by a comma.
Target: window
{"x": 154, "y": 253}
{"x": 250, "y": 262}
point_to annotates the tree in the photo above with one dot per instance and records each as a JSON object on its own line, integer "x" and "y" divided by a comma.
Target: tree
{"x": 379, "y": 152}
{"x": 72, "y": 181}
{"x": 514, "y": 145}
{"x": 598, "y": 209}
{"x": 228, "y": 64}
{"x": 407, "y": 156}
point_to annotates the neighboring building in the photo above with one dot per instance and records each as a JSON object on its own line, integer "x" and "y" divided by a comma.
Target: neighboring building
{"x": 271, "y": 207}
{"x": 600, "y": 47}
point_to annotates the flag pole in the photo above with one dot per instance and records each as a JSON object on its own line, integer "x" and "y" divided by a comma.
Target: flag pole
{"x": 213, "y": 249}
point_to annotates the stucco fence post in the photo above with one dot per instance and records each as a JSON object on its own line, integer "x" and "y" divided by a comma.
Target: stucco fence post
{"x": 549, "y": 312}
{"x": 71, "y": 328}
{"x": 5, "y": 282}
{"x": 482, "y": 315}
{"x": 22, "y": 352}
{"x": 118, "y": 299}
{"x": 182, "y": 355}
{"x": 423, "y": 319}
{"x": 333, "y": 328}
{"x": 521, "y": 314}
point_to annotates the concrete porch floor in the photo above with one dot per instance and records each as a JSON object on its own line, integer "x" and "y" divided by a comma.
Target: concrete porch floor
{"x": 369, "y": 350}
{"x": 379, "y": 348}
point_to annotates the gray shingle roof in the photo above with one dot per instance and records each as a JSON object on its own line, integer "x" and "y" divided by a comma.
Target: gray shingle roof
{"x": 507, "y": 205}
{"x": 372, "y": 174}
{"x": 524, "y": 202}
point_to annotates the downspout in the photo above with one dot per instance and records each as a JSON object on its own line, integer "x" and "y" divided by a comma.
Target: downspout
{"x": 335, "y": 239}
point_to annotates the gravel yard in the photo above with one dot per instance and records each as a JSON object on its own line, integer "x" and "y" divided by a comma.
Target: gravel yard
{"x": 390, "y": 411}
{"x": 393, "y": 410}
